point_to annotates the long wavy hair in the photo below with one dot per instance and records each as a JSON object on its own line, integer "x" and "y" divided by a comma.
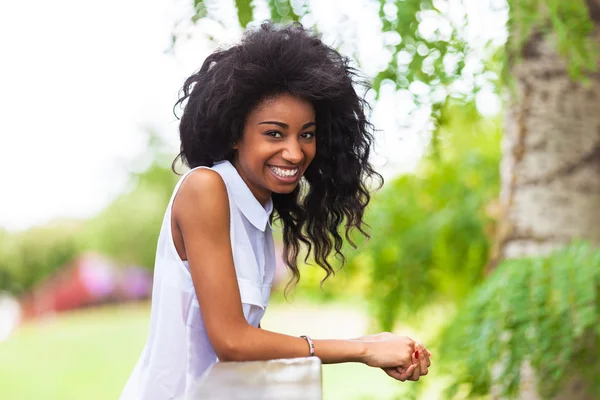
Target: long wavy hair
{"x": 274, "y": 60}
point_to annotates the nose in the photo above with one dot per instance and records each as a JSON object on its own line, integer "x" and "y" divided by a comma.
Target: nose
{"x": 292, "y": 152}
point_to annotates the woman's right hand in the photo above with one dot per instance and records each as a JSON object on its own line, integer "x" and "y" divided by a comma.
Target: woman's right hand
{"x": 396, "y": 355}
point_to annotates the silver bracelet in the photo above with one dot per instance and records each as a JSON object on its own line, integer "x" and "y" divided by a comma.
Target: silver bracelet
{"x": 311, "y": 346}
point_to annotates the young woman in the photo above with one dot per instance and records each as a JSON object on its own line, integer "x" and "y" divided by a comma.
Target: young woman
{"x": 271, "y": 128}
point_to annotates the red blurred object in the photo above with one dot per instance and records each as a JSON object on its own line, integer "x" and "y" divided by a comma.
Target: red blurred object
{"x": 88, "y": 280}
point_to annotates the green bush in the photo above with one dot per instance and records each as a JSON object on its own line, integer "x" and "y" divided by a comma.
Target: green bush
{"x": 431, "y": 230}
{"x": 542, "y": 310}
{"x": 28, "y": 257}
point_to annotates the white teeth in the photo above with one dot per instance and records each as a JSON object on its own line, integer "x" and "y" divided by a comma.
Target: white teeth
{"x": 285, "y": 173}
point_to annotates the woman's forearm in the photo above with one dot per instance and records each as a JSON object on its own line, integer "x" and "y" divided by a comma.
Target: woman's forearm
{"x": 254, "y": 344}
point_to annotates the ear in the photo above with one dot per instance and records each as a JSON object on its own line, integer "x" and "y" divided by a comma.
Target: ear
{"x": 234, "y": 146}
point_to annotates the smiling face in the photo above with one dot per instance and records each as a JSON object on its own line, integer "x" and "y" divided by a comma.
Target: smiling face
{"x": 277, "y": 146}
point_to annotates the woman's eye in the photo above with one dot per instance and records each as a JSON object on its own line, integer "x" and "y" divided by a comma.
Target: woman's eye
{"x": 308, "y": 135}
{"x": 274, "y": 134}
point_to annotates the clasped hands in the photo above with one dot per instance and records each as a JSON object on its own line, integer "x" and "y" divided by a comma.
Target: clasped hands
{"x": 399, "y": 356}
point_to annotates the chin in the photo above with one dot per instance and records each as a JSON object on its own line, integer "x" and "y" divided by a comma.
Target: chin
{"x": 284, "y": 190}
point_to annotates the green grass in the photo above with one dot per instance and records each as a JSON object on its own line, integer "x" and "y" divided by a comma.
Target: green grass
{"x": 89, "y": 355}
{"x": 81, "y": 355}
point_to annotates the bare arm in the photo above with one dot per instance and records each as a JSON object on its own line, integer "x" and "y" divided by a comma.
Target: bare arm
{"x": 201, "y": 213}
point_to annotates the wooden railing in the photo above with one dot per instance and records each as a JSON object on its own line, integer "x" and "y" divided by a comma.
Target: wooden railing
{"x": 287, "y": 379}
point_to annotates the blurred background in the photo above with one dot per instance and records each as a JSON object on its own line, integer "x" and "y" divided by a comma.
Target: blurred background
{"x": 485, "y": 237}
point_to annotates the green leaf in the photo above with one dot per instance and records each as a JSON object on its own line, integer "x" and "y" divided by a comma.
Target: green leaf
{"x": 283, "y": 11}
{"x": 541, "y": 309}
{"x": 245, "y": 11}
{"x": 199, "y": 13}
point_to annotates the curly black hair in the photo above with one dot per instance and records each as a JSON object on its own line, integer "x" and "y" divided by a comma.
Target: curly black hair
{"x": 290, "y": 59}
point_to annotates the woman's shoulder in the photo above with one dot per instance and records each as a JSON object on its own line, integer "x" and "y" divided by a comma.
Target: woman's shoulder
{"x": 202, "y": 191}
{"x": 201, "y": 180}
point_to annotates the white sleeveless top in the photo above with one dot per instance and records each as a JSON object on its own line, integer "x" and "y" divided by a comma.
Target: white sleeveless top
{"x": 178, "y": 350}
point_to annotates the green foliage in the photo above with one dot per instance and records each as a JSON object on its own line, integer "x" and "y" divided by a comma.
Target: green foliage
{"x": 416, "y": 58}
{"x": 430, "y": 230}
{"x": 244, "y": 12}
{"x": 568, "y": 22}
{"x": 199, "y": 11}
{"x": 27, "y": 258}
{"x": 544, "y": 310}
{"x": 283, "y": 10}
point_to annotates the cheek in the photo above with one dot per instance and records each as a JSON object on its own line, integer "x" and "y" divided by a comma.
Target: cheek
{"x": 253, "y": 154}
{"x": 310, "y": 151}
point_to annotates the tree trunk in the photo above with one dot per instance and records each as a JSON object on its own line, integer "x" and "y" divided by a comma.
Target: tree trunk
{"x": 551, "y": 158}
{"x": 551, "y": 164}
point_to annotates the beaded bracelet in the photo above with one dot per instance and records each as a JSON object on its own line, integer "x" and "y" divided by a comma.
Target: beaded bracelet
{"x": 311, "y": 346}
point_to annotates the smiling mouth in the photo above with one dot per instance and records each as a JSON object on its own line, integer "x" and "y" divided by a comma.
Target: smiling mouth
{"x": 285, "y": 172}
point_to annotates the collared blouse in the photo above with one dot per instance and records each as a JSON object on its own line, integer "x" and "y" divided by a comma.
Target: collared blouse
{"x": 178, "y": 349}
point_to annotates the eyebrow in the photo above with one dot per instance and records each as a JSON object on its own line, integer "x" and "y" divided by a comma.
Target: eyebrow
{"x": 284, "y": 125}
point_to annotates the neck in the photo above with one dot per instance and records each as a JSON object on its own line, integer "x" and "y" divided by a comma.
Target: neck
{"x": 262, "y": 196}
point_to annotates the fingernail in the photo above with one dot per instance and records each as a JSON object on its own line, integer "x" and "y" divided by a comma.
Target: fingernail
{"x": 416, "y": 353}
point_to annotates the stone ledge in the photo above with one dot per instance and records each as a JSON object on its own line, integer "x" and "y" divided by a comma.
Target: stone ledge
{"x": 285, "y": 379}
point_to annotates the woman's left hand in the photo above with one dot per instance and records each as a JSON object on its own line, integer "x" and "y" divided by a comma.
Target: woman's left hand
{"x": 421, "y": 359}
